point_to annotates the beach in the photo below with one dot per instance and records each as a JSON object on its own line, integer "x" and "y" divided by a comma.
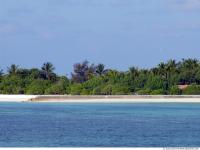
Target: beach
{"x": 16, "y": 98}
{"x": 102, "y": 99}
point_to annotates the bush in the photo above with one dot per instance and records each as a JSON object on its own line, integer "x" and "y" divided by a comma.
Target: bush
{"x": 76, "y": 89}
{"x": 192, "y": 90}
{"x": 12, "y": 85}
{"x": 174, "y": 90}
{"x": 97, "y": 91}
{"x": 85, "y": 92}
{"x": 144, "y": 92}
{"x": 56, "y": 89}
{"x": 120, "y": 90}
{"x": 157, "y": 92}
{"x": 61, "y": 87}
{"x": 107, "y": 90}
{"x": 38, "y": 87}
{"x": 154, "y": 83}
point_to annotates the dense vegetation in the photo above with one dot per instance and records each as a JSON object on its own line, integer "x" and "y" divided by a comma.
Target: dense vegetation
{"x": 90, "y": 79}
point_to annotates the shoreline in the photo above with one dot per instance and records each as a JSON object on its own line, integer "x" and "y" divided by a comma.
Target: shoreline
{"x": 102, "y": 98}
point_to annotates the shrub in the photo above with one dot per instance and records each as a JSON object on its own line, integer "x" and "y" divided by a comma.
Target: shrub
{"x": 85, "y": 92}
{"x": 174, "y": 90}
{"x": 97, "y": 91}
{"x": 76, "y": 89}
{"x": 12, "y": 85}
{"x": 61, "y": 87}
{"x": 143, "y": 92}
{"x": 120, "y": 90}
{"x": 107, "y": 90}
{"x": 38, "y": 87}
{"x": 157, "y": 92}
{"x": 192, "y": 90}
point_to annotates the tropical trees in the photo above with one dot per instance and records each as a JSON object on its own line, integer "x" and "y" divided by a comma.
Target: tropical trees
{"x": 90, "y": 79}
{"x": 48, "y": 71}
{"x": 82, "y": 72}
{"x": 13, "y": 69}
{"x": 192, "y": 90}
{"x": 1, "y": 74}
{"x": 38, "y": 87}
{"x": 61, "y": 87}
{"x": 100, "y": 69}
{"x": 188, "y": 70}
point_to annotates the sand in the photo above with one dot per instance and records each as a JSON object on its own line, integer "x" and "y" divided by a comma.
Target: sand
{"x": 101, "y": 99}
{"x": 16, "y": 98}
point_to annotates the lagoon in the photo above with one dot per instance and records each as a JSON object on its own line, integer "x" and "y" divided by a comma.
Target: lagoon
{"x": 99, "y": 124}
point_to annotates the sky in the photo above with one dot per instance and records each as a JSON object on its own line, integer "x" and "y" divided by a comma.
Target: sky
{"x": 117, "y": 33}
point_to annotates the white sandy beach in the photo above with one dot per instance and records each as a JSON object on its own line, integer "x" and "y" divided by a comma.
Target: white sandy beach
{"x": 100, "y": 99}
{"x": 16, "y": 98}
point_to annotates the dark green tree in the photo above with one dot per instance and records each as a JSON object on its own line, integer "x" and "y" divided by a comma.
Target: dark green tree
{"x": 48, "y": 71}
{"x": 13, "y": 70}
{"x": 100, "y": 69}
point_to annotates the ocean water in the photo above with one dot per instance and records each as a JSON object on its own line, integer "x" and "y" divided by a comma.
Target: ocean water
{"x": 99, "y": 125}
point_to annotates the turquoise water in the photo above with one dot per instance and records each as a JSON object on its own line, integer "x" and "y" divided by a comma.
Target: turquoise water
{"x": 99, "y": 125}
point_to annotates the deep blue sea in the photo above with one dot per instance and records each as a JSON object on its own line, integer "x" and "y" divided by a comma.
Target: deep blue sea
{"x": 99, "y": 125}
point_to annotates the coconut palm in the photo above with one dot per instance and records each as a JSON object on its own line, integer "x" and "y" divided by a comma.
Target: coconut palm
{"x": 1, "y": 73}
{"x": 134, "y": 71}
{"x": 100, "y": 69}
{"x": 13, "y": 69}
{"x": 47, "y": 71}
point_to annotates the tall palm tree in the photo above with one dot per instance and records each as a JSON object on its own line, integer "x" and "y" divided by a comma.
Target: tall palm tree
{"x": 171, "y": 64}
{"x": 1, "y": 73}
{"x": 13, "y": 69}
{"x": 190, "y": 63}
{"x": 134, "y": 71}
{"x": 162, "y": 69}
{"x": 47, "y": 70}
{"x": 100, "y": 69}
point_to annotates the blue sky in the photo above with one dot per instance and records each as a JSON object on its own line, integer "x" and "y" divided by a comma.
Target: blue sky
{"x": 118, "y": 33}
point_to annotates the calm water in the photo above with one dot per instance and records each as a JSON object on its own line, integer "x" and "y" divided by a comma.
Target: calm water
{"x": 99, "y": 125}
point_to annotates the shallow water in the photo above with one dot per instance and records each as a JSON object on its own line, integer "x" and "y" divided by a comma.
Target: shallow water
{"x": 99, "y": 125}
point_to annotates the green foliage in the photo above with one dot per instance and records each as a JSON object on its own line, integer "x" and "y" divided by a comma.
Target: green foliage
{"x": 58, "y": 88}
{"x": 13, "y": 70}
{"x": 154, "y": 82}
{"x": 76, "y": 89}
{"x": 88, "y": 79}
{"x": 47, "y": 71}
{"x": 174, "y": 90}
{"x": 38, "y": 87}
{"x": 192, "y": 90}
{"x": 157, "y": 92}
{"x": 143, "y": 92}
{"x": 13, "y": 85}
{"x": 120, "y": 90}
{"x": 97, "y": 91}
{"x": 107, "y": 90}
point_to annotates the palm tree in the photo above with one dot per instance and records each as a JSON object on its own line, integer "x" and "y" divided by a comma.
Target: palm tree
{"x": 171, "y": 64}
{"x": 1, "y": 73}
{"x": 13, "y": 69}
{"x": 155, "y": 71}
{"x": 100, "y": 69}
{"x": 190, "y": 64}
{"x": 134, "y": 71}
{"x": 171, "y": 69}
{"x": 47, "y": 70}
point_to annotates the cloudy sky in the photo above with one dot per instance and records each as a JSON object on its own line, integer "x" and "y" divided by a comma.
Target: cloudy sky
{"x": 118, "y": 33}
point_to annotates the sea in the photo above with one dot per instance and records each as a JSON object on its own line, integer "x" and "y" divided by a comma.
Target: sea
{"x": 99, "y": 124}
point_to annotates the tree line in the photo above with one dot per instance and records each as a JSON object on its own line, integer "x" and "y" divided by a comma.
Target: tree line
{"x": 91, "y": 79}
